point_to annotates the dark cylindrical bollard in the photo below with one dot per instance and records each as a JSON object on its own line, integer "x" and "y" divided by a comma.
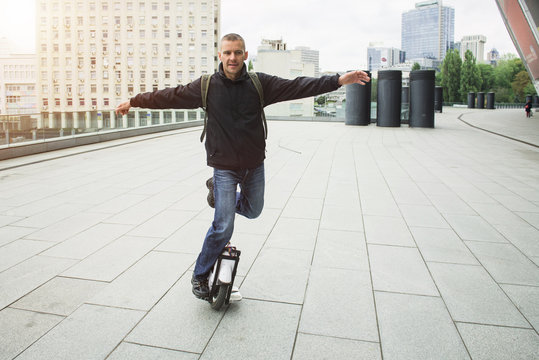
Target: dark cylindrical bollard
{"x": 480, "y": 100}
{"x": 422, "y": 98}
{"x": 358, "y": 104}
{"x": 438, "y": 98}
{"x": 535, "y": 101}
{"x": 490, "y": 100}
{"x": 389, "y": 98}
{"x": 529, "y": 98}
{"x": 471, "y": 100}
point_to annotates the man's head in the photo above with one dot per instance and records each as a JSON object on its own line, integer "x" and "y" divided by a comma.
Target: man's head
{"x": 232, "y": 55}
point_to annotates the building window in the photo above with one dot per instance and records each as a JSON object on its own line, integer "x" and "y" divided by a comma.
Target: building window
{"x": 94, "y": 102}
{"x": 106, "y": 101}
{"x": 57, "y": 101}
{"x": 81, "y": 101}
{"x": 45, "y": 102}
{"x": 69, "y": 101}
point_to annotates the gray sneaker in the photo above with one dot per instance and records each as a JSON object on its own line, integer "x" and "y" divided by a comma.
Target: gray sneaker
{"x": 210, "y": 198}
{"x": 200, "y": 287}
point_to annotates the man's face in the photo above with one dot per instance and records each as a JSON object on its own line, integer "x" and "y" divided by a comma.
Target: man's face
{"x": 232, "y": 55}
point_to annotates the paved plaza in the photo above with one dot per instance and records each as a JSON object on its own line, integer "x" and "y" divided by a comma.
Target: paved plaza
{"x": 375, "y": 243}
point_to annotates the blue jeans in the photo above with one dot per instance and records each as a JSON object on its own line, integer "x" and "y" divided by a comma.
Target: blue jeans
{"x": 248, "y": 202}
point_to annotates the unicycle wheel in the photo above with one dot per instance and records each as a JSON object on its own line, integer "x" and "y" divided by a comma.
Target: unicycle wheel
{"x": 219, "y": 298}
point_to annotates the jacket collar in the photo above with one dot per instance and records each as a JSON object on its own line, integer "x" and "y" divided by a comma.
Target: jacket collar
{"x": 242, "y": 76}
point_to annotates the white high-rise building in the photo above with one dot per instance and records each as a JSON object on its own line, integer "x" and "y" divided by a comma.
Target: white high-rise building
{"x": 310, "y": 56}
{"x": 95, "y": 54}
{"x": 272, "y": 58}
{"x": 474, "y": 43}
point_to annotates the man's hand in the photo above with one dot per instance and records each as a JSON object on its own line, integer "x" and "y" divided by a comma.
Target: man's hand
{"x": 123, "y": 108}
{"x": 354, "y": 77}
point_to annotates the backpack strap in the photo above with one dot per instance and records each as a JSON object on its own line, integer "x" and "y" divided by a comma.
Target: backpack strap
{"x": 204, "y": 86}
{"x": 260, "y": 91}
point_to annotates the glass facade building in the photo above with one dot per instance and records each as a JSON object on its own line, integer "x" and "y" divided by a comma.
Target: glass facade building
{"x": 428, "y": 30}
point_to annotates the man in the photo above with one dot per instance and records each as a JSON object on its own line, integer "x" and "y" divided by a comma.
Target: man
{"x": 235, "y": 139}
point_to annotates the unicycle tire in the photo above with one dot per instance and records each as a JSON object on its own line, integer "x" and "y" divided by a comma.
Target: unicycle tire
{"x": 219, "y": 299}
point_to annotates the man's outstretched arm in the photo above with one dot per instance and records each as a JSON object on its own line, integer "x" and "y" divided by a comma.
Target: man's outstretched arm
{"x": 354, "y": 77}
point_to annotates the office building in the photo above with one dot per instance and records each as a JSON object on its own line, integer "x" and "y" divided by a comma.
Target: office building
{"x": 474, "y": 43}
{"x": 428, "y": 30}
{"x": 17, "y": 81}
{"x": 273, "y": 58}
{"x": 493, "y": 56}
{"x": 93, "y": 55}
{"x": 379, "y": 57}
{"x": 310, "y": 56}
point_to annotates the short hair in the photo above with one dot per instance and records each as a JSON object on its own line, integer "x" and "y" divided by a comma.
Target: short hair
{"x": 233, "y": 37}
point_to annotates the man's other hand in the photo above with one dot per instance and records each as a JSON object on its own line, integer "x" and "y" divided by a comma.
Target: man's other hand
{"x": 123, "y": 108}
{"x": 354, "y": 77}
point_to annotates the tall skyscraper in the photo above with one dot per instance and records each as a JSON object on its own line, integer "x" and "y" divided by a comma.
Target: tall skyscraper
{"x": 428, "y": 30}
{"x": 474, "y": 43}
{"x": 310, "y": 56}
{"x": 93, "y": 55}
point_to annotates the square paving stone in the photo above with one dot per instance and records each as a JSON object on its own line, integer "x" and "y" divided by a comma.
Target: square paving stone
{"x": 387, "y": 231}
{"x": 91, "y": 332}
{"x": 400, "y": 269}
{"x": 472, "y": 296}
{"x": 25, "y": 327}
{"x": 60, "y": 296}
{"x": 316, "y": 347}
{"x": 297, "y": 234}
{"x": 417, "y": 327}
{"x": 341, "y": 249}
{"x": 255, "y": 330}
{"x": 526, "y": 298}
{"x": 499, "y": 343}
{"x": 353, "y": 319}
{"x": 442, "y": 245}
{"x": 470, "y": 227}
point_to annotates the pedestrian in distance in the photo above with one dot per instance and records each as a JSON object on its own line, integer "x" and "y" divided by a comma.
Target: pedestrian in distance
{"x": 235, "y": 136}
{"x": 528, "y": 108}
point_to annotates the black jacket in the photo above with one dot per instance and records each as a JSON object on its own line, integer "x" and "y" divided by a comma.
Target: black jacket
{"x": 235, "y": 132}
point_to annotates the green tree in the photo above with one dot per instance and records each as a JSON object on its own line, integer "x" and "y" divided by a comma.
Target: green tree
{"x": 487, "y": 77}
{"x": 520, "y": 86}
{"x": 250, "y": 66}
{"x": 321, "y": 100}
{"x": 450, "y": 77}
{"x": 416, "y": 66}
{"x": 470, "y": 79}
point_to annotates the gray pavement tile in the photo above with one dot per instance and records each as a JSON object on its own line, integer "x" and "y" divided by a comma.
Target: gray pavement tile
{"x": 113, "y": 259}
{"x": 142, "y": 285}
{"x": 450, "y": 204}
{"x": 469, "y": 193}
{"x": 275, "y": 198}
{"x": 341, "y": 250}
{"x": 60, "y": 296}
{"x": 516, "y": 203}
{"x": 525, "y": 298}
{"x": 353, "y": 319}
{"x": 289, "y": 271}
{"x": 524, "y": 237}
{"x": 431, "y": 188}
{"x": 128, "y": 351}
{"x": 25, "y": 327}
{"x": 505, "y": 263}
{"x": 342, "y": 192}
{"x": 195, "y": 201}
{"x": 387, "y": 231}
{"x": 178, "y": 321}
{"x": 91, "y": 332}
{"x": 28, "y": 275}
{"x": 442, "y": 245}
{"x": 20, "y": 250}
{"x": 139, "y": 213}
{"x": 32, "y": 208}
{"x": 188, "y": 239}
{"x": 474, "y": 228}
{"x": 117, "y": 204}
{"x": 11, "y": 233}
{"x": 499, "y": 343}
{"x": 87, "y": 242}
{"x": 316, "y": 347}
{"x": 293, "y": 233}
{"x": 472, "y": 296}
{"x": 347, "y": 218}
{"x": 497, "y": 214}
{"x": 68, "y": 227}
{"x": 417, "y": 327}
{"x": 531, "y": 217}
{"x": 303, "y": 208}
{"x": 163, "y": 224}
{"x": 50, "y": 216}
{"x": 379, "y": 206}
{"x": 423, "y": 216}
{"x": 406, "y": 191}
{"x": 258, "y": 330}
{"x": 400, "y": 269}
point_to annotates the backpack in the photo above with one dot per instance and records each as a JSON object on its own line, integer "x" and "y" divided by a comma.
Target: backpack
{"x": 204, "y": 86}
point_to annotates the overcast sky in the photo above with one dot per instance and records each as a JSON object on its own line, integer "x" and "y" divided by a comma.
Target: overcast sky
{"x": 340, "y": 29}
